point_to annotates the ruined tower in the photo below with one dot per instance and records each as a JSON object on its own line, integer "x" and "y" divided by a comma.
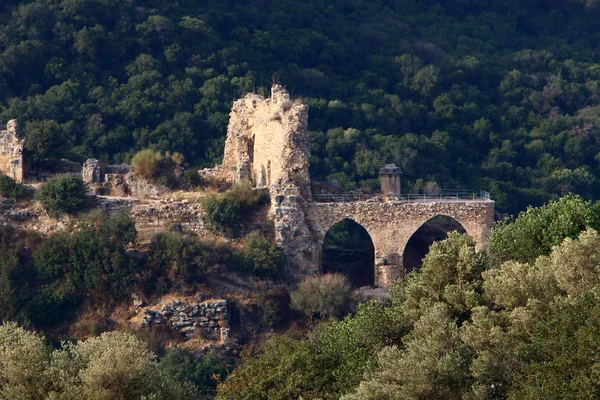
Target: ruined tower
{"x": 11, "y": 152}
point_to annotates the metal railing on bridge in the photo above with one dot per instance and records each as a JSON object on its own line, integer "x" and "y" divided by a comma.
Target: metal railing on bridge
{"x": 421, "y": 196}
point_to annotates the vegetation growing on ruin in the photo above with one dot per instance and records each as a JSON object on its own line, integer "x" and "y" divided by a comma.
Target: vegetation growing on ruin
{"x": 227, "y": 213}
{"x": 498, "y": 96}
{"x": 11, "y": 189}
{"x": 62, "y": 194}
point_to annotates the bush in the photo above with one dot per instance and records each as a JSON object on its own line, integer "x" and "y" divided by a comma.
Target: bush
{"x": 147, "y": 163}
{"x": 11, "y": 189}
{"x": 204, "y": 372}
{"x": 323, "y": 296}
{"x": 185, "y": 258}
{"x": 247, "y": 198}
{"x": 72, "y": 265}
{"x": 62, "y": 194}
{"x": 265, "y": 259}
{"x": 193, "y": 177}
{"x": 224, "y": 213}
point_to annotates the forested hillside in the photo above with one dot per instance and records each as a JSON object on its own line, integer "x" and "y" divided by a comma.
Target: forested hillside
{"x": 503, "y": 96}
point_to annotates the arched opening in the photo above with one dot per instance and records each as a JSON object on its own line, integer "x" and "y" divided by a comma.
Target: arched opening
{"x": 348, "y": 249}
{"x": 434, "y": 229}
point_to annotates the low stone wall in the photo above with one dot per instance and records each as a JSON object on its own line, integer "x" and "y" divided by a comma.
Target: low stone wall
{"x": 181, "y": 217}
{"x": 154, "y": 216}
{"x": 208, "y": 319}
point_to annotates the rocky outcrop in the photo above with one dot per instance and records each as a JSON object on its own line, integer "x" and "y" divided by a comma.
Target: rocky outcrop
{"x": 207, "y": 319}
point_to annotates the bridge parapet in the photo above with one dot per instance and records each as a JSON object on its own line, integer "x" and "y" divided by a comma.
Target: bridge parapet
{"x": 443, "y": 195}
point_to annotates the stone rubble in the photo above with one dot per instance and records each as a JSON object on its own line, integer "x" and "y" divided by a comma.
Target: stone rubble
{"x": 201, "y": 318}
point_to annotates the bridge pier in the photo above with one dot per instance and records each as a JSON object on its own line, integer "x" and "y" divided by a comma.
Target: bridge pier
{"x": 388, "y": 269}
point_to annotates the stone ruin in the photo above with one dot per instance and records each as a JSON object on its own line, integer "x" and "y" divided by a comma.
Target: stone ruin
{"x": 11, "y": 152}
{"x": 268, "y": 144}
{"x": 200, "y": 318}
{"x": 117, "y": 180}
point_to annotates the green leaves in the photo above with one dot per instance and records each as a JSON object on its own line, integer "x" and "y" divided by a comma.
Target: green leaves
{"x": 62, "y": 194}
{"x": 535, "y": 231}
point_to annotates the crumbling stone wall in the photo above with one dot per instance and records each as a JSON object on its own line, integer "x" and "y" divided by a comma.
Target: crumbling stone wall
{"x": 11, "y": 152}
{"x": 200, "y": 318}
{"x": 391, "y": 225}
{"x": 118, "y": 180}
{"x": 268, "y": 144}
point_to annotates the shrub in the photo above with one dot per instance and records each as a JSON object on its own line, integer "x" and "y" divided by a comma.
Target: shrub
{"x": 147, "y": 163}
{"x": 193, "y": 177}
{"x": 204, "y": 372}
{"x": 185, "y": 258}
{"x": 265, "y": 259}
{"x": 62, "y": 194}
{"x": 11, "y": 189}
{"x": 222, "y": 215}
{"x": 247, "y": 198}
{"x": 323, "y": 296}
{"x": 72, "y": 265}
{"x": 273, "y": 308}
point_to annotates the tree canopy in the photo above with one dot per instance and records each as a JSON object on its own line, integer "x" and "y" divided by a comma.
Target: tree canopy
{"x": 503, "y": 97}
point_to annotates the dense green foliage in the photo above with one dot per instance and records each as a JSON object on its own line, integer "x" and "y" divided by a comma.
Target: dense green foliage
{"x": 263, "y": 257}
{"x": 112, "y": 366}
{"x": 537, "y": 230}
{"x": 332, "y": 359}
{"x": 204, "y": 372}
{"x": 45, "y": 286}
{"x": 465, "y": 326}
{"x": 11, "y": 189}
{"x": 225, "y": 212}
{"x": 500, "y": 96}
{"x": 183, "y": 259}
{"x": 62, "y": 194}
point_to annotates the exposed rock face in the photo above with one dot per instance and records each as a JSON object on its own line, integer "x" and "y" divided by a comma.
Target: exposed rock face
{"x": 11, "y": 152}
{"x": 207, "y": 319}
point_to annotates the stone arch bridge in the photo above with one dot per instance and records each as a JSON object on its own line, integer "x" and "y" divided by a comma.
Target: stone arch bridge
{"x": 391, "y": 224}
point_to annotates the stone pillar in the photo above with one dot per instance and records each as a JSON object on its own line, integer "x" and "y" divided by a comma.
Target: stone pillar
{"x": 389, "y": 176}
{"x": 388, "y": 269}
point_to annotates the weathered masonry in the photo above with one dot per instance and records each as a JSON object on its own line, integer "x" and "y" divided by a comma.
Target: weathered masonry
{"x": 391, "y": 224}
{"x": 11, "y": 152}
{"x": 268, "y": 144}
